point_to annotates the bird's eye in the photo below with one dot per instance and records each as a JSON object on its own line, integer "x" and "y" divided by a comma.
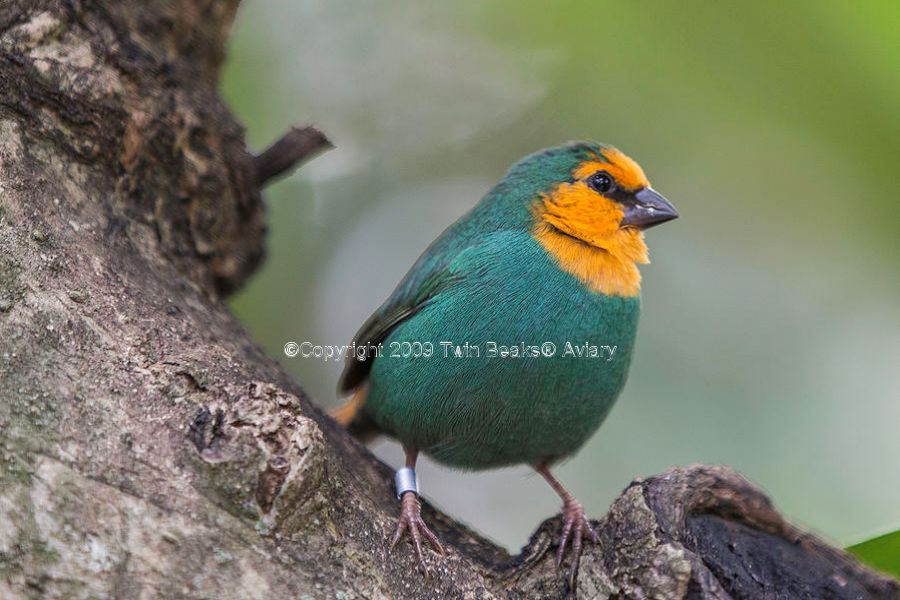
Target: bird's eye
{"x": 600, "y": 182}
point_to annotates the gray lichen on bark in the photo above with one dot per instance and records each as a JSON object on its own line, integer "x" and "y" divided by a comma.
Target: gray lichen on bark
{"x": 149, "y": 449}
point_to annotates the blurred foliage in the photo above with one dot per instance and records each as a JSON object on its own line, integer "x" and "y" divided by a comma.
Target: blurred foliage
{"x": 882, "y": 553}
{"x": 770, "y": 335}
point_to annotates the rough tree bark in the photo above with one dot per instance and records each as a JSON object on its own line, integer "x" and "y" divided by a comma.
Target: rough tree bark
{"x": 148, "y": 449}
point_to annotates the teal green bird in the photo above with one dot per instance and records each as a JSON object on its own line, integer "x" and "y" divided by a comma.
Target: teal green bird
{"x": 510, "y": 338}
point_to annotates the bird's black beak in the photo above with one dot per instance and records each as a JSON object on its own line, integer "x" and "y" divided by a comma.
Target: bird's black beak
{"x": 649, "y": 209}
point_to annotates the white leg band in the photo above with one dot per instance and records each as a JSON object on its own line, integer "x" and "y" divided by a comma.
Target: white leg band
{"x": 406, "y": 481}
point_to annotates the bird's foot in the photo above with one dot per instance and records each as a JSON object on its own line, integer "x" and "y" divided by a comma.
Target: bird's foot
{"x": 575, "y": 527}
{"x": 411, "y": 520}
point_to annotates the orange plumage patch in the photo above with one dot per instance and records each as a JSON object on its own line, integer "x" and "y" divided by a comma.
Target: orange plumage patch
{"x": 580, "y": 228}
{"x": 624, "y": 170}
{"x": 345, "y": 413}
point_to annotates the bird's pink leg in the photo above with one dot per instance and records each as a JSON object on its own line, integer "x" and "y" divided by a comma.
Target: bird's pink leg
{"x": 575, "y": 523}
{"x": 411, "y": 520}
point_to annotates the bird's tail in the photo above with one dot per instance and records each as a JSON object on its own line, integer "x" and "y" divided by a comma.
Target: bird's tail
{"x": 346, "y": 412}
{"x": 353, "y": 419}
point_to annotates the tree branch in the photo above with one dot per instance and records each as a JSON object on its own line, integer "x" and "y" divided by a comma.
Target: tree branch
{"x": 293, "y": 149}
{"x": 148, "y": 448}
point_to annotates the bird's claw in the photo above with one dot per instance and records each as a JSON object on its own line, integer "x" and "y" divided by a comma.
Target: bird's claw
{"x": 411, "y": 520}
{"x": 575, "y": 526}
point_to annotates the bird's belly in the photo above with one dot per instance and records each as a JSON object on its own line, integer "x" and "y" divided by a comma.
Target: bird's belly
{"x": 528, "y": 411}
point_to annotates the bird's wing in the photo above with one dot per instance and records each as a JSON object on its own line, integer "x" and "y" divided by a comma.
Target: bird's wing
{"x": 432, "y": 273}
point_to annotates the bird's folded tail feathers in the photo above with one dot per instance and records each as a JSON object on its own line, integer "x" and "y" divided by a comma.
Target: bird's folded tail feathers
{"x": 346, "y": 412}
{"x": 350, "y": 416}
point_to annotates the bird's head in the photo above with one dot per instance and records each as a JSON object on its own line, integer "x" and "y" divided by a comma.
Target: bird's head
{"x": 590, "y": 211}
{"x": 606, "y": 201}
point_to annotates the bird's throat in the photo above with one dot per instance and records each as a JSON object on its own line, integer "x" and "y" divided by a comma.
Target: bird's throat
{"x": 603, "y": 271}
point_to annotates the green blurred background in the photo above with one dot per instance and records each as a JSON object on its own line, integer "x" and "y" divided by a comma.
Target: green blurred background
{"x": 770, "y": 339}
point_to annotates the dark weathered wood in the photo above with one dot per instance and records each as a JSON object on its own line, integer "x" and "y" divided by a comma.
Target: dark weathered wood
{"x": 149, "y": 449}
{"x": 289, "y": 152}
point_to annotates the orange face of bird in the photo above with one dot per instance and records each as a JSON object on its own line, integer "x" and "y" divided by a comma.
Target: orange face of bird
{"x": 593, "y": 224}
{"x": 607, "y": 204}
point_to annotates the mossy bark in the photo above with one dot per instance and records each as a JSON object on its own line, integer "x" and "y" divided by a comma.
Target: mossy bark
{"x": 148, "y": 449}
